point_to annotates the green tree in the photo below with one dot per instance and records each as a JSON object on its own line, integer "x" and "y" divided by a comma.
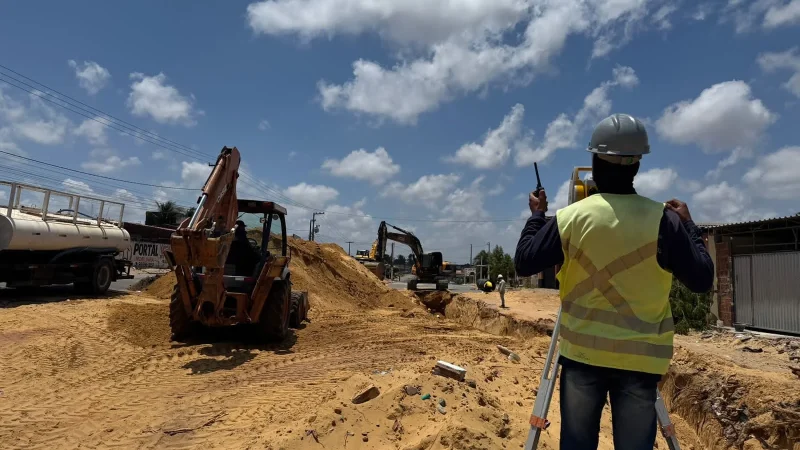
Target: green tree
{"x": 500, "y": 263}
{"x": 480, "y": 258}
{"x": 689, "y": 310}
{"x": 167, "y": 213}
{"x": 190, "y": 211}
{"x": 400, "y": 261}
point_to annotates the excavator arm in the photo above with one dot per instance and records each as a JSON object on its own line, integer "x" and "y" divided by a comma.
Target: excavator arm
{"x": 403, "y": 237}
{"x": 204, "y": 240}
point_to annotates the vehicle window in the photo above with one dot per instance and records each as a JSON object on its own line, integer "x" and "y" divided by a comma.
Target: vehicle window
{"x": 254, "y": 227}
{"x": 275, "y": 244}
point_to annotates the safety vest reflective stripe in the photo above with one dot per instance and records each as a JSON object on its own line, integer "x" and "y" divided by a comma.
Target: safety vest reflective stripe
{"x": 601, "y": 280}
{"x": 639, "y": 348}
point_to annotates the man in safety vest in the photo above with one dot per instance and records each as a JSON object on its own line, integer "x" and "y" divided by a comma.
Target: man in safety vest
{"x": 618, "y": 252}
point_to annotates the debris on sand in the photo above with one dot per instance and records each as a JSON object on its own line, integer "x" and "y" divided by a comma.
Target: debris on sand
{"x": 366, "y": 394}
{"x": 446, "y": 369}
{"x": 752, "y": 349}
{"x": 411, "y": 390}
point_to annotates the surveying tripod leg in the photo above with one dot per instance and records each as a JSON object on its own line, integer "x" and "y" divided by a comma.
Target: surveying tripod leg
{"x": 547, "y": 386}
{"x": 667, "y": 428}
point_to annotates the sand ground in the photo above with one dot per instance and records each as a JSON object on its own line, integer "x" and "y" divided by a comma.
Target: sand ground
{"x": 101, "y": 373}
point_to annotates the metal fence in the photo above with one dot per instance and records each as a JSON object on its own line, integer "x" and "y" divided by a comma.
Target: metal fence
{"x": 767, "y": 291}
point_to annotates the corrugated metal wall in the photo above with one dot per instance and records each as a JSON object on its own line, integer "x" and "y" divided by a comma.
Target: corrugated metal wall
{"x": 767, "y": 291}
{"x": 742, "y": 289}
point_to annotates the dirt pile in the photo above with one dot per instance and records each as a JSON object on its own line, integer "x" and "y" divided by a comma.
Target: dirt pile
{"x": 161, "y": 287}
{"x": 333, "y": 279}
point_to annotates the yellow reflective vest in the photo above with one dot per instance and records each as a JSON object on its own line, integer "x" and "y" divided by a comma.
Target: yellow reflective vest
{"x": 615, "y": 296}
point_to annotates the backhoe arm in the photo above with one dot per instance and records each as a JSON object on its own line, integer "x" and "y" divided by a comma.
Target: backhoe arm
{"x": 217, "y": 203}
{"x": 205, "y": 239}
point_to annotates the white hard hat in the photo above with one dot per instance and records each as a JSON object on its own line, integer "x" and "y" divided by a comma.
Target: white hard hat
{"x": 499, "y": 276}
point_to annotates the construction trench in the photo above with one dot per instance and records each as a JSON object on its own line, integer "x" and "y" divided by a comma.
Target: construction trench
{"x": 103, "y": 373}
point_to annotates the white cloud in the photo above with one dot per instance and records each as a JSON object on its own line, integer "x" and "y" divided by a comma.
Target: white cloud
{"x": 36, "y": 121}
{"x": 738, "y": 154}
{"x": 376, "y": 167}
{"x": 561, "y": 200}
{"x": 315, "y": 196}
{"x": 562, "y": 132}
{"x": 91, "y": 76}
{"x": 398, "y": 21}
{"x": 496, "y": 146}
{"x": 725, "y": 203}
{"x": 426, "y": 191}
{"x": 78, "y": 187}
{"x": 789, "y": 60}
{"x": 158, "y": 155}
{"x": 723, "y": 117}
{"x": 467, "y": 59}
{"x": 264, "y": 125}
{"x": 782, "y": 15}
{"x": 654, "y": 181}
{"x": 701, "y": 12}
{"x": 93, "y": 131}
{"x": 777, "y": 175}
{"x": 194, "y": 174}
{"x": 107, "y": 161}
{"x": 661, "y": 17}
{"x": 151, "y": 96}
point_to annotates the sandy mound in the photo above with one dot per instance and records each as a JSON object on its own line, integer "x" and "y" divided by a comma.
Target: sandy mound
{"x": 161, "y": 287}
{"x": 333, "y": 280}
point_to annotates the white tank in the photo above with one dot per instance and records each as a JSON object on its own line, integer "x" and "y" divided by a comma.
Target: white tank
{"x": 26, "y": 231}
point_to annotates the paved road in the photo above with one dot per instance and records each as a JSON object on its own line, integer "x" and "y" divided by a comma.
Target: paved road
{"x": 452, "y": 288}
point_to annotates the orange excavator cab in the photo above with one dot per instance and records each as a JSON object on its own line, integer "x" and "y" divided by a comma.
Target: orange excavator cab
{"x": 233, "y": 276}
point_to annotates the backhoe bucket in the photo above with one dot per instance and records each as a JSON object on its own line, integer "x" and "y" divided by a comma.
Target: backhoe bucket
{"x": 209, "y": 252}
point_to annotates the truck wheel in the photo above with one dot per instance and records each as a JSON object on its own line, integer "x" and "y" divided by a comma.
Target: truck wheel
{"x": 411, "y": 285}
{"x": 441, "y": 285}
{"x": 179, "y": 322}
{"x": 274, "y": 320}
{"x": 99, "y": 279}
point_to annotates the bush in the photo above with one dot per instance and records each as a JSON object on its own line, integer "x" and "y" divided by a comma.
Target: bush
{"x": 689, "y": 310}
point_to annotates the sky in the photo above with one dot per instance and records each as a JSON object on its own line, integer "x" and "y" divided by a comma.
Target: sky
{"x": 428, "y": 115}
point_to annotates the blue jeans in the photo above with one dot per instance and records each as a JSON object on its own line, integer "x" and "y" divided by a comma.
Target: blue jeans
{"x": 583, "y": 394}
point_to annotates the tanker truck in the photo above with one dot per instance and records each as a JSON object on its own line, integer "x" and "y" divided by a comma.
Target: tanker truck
{"x": 51, "y": 245}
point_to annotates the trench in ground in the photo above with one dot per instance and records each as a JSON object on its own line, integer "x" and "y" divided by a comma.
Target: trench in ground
{"x": 710, "y": 405}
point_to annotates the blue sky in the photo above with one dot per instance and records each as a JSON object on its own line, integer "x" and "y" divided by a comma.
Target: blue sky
{"x": 415, "y": 111}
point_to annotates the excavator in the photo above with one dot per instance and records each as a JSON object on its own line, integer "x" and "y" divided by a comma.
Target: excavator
{"x": 225, "y": 276}
{"x": 428, "y": 267}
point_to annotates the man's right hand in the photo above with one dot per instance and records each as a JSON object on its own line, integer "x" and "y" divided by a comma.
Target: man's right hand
{"x": 537, "y": 203}
{"x": 680, "y": 208}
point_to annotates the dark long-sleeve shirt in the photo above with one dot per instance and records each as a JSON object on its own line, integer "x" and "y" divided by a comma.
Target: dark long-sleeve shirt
{"x": 680, "y": 250}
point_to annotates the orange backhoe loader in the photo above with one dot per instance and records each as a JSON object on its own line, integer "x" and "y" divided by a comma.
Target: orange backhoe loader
{"x": 229, "y": 277}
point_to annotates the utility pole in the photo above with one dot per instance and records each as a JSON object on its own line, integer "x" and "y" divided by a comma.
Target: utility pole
{"x": 348, "y": 247}
{"x": 391, "y": 270}
{"x": 470, "y": 254}
{"x": 312, "y": 227}
{"x": 488, "y": 258}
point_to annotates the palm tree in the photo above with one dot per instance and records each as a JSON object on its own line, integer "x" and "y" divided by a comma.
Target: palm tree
{"x": 168, "y": 213}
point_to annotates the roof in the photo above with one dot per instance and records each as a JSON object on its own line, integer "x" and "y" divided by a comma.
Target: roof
{"x": 766, "y": 222}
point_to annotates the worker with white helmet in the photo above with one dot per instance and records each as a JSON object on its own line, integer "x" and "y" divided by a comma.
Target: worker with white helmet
{"x": 618, "y": 252}
{"x": 501, "y": 288}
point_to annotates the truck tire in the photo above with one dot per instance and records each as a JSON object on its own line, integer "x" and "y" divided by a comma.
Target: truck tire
{"x": 100, "y": 278}
{"x": 274, "y": 320}
{"x": 179, "y": 322}
{"x": 442, "y": 285}
{"x": 411, "y": 285}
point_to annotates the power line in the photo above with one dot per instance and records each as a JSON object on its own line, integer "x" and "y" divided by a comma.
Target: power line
{"x": 100, "y": 176}
{"x": 94, "y": 110}
{"x": 172, "y": 146}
